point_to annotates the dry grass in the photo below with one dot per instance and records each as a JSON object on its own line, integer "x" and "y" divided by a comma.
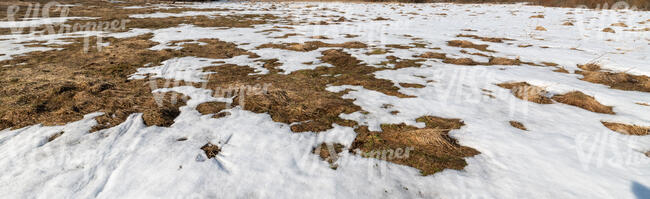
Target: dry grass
{"x": 402, "y": 63}
{"x": 518, "y": 125}
{"x": 560, "y": 70}
{"x": 537, "y": 16}
{"x": 627, "y": 129}
{"x": 300, "y": 98}
{"x": 468, "y": 44}
{"x": 540, "y": 28}
{"x": 487, "y": 39}
{"x": 83, "y": 83}
{"x": 378, "y": 51}
{"x": 329, "y": 152}
{"x": 312, "y": 45}
{"x": 622, "y": 81}
{"x": 213, "y": 108}
{"x": 504, "y": 61}
{"x": 525, "y": 91}
{"x": 211, "y": 150}
{"x": 432, "y": 55}
{"x": 593, "y": 4}
{"x": 461, "y": 61}
{"x": 579, "y": 99}
{"x": 609, "y": 30}
{"x": 54, "y": 136}
{"x": 431, "y": 149}
{"x": 409, "y": 85}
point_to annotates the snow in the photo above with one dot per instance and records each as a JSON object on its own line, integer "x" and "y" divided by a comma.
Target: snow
{"x": 566, "y": 153}
{"x": 188, "y": 69}
{"x": 17, "y": 44}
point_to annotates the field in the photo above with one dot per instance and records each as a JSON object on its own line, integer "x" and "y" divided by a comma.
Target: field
{"x": 323, "y": 100}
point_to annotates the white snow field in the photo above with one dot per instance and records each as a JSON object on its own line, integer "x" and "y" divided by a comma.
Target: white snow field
{"x": 565, "y": 153}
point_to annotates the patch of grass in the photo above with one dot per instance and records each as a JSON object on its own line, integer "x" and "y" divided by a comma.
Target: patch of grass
{"x": 461, "y": 61}
{"x": 329, "y": 152}
{"x": 468, "y": 44}
{"x": 312, "y": 45}
{"x": 504, "y": 61}
{"x": 525, "y": 91}
{"x": 487, "y": 39}
{"x": 54, "y": 136}
{"x": 212, "y": 108}
{"x": 211, "y": 150}
{"x": 428, "y": 149}
{"x": 592, "y": 72}
{"x": 434, "y": 55}
{"x": 627, "y": 129}
{"x": 409, "y": 85}
{"x": 579, "y": 99}
{"x": 518, "y": 125}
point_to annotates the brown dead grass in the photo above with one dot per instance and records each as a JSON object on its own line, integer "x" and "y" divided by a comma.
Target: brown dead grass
{"x": 431, "y": 149}
{"x": 468, "y": 44}
{"x": 518, "y": 125}
{"x": 579, "y": 99}
{"x": 329, "y": 152}
{"x": 54, "y": 136}
{"x": 409, "y": 85}
{"x": 378, "y": 51}
{"x": 504, "y": 61}
{"x": 525, "y": 91}
{"x": 312, "y": 45}
{"x": 560, "y": 70}
{"x": 616, "y": 80}
{"x": 609, "y": 30}
{"x": 402, "y": 63}
{"x": 487, "y": 39}
{"x": 211, "y": 150}
{"x": 213, "y": 108}
{"x": 432, "y": 55}
{"x": 461, "y": 61}
{"x": 627, "y": 129}
{"x": 540, "y": 28}
{"x": 92, "y": 82}
{"x": 300, "y": 98}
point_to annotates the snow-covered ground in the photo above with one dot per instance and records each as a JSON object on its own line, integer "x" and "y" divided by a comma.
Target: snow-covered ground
{"x": 566, "y": 153}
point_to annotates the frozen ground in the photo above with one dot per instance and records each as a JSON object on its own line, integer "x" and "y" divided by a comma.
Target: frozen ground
{"x": 566, "y": 152}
